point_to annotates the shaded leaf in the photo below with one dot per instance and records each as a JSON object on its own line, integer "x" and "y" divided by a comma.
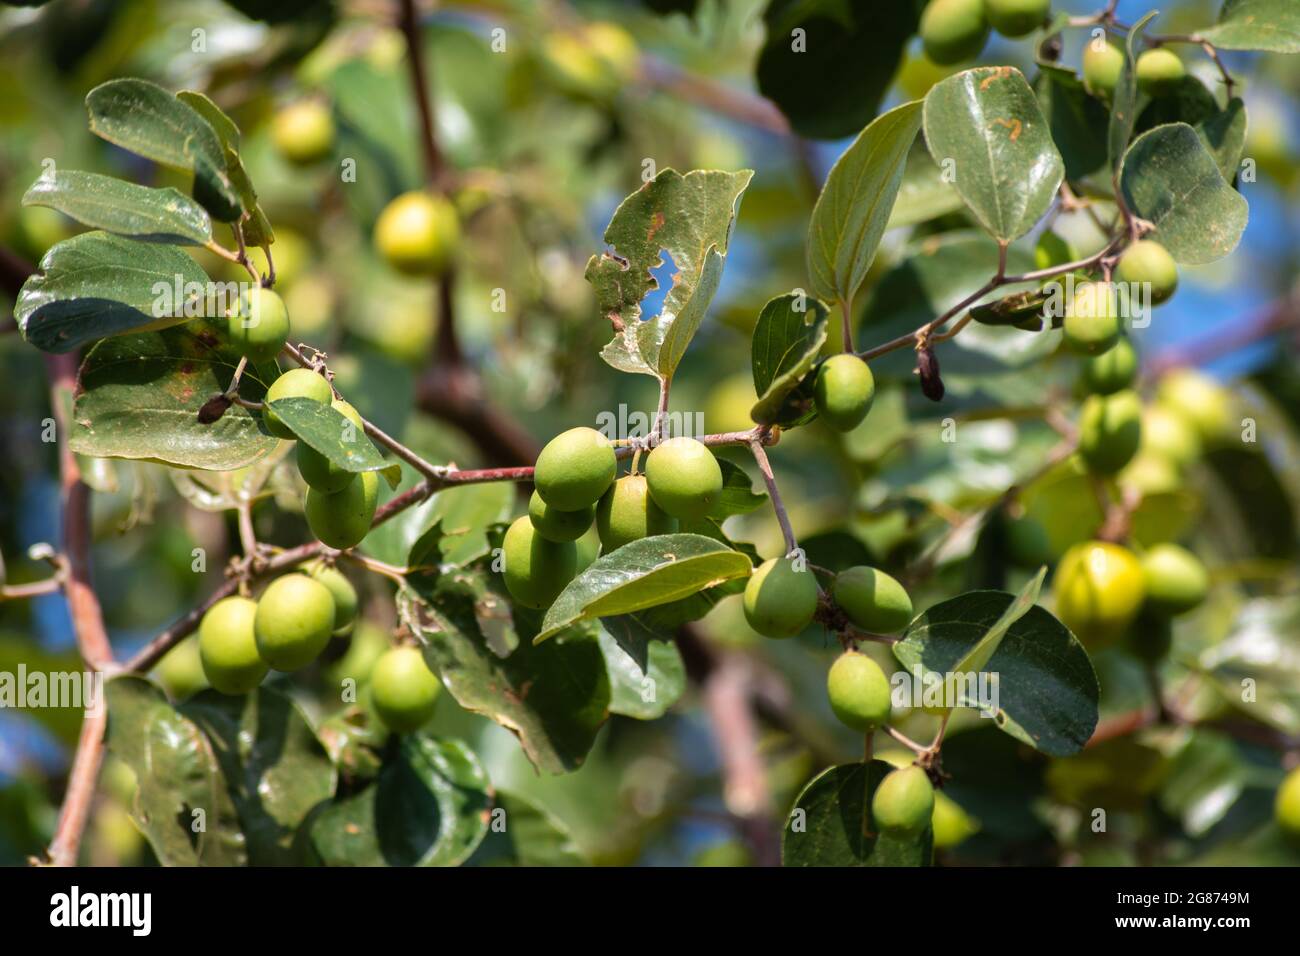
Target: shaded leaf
{"x": 788, "y": 337}
{"x": 643, "y": 689}
{"x": 1078, "y": 121}
{"x": 526, "y": 835}
{"x": 738, "y": 496}
{"x": 256, "y": 226}
{"x": 1124, "y": 101}
{"x": 1272, "y": 25}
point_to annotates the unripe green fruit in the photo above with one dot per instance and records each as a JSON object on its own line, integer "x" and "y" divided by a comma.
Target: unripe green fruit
{"x": 575, "y": 469}
{"x": 1176, "y": 580}
{"x": 295, "y": 383}
{"x": 293, "y": 622}
{"x": 341, "y": 590}
{"x": 627, "y": 513}
{"x": 872, "y": 599}
{"x": 342, "y": 519}
{"x": 843, "y": 390}
{"x": 1028, "y": 544}
{"x": 556, "y": 525}
{"x": 1111, "y": 371}
{"x": 228, "y": 646}
{"x": 953, "y": 31}
{"x": 1103, "y": 62}
{"x": 1150, "y": 474}
{"x": 403, "y": 690}
{"x": 780, "y": 601}
{"x": 1286, "y": 808}
{"x": 1159, "y": 71}
{"x": 1099, "y": 587}
{"x": 1052, "y": 250}
{"x": 951, "y": 824}
{"x": 1200, "y": 400}
{"x": 417, "y": 234}
{"x": 1169, "y": 436}
{"x": 317, "y": 470}
{"x": 259, "y": 326}
{"x": 536, "y": 570}
{"x": 903, "y": 802}
{"x": 684, "y": 478}
{"x": 303, "y": 132}
{"x": 181, "y": 670}
{"x": 1016, "y": 18}
{"x": 1146, "y": 261}
{"x": 1091, "y": 323}
{"x": 1110, "y": 431}
{"x": 859, "y": 691}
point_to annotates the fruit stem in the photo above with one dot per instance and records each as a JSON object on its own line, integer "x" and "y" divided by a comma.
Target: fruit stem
{"x": 764, "y": 466}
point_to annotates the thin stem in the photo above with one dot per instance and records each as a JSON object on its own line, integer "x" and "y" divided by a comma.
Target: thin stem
{"x": 434, "y": 164}
{"x": 15, "y": 592}
{"x": 80, "y": 794}
{"x": 247, "y": 537}
{"x": 661, "y": 413}
{"x": 846, "y": 326}
{"x": 906, "y": 741}
{"x": 233, "y": 388}
{"x": 764, "y": 466}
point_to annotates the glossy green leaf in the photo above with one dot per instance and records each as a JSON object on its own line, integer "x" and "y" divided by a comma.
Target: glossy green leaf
{"x": 788, "y": 337}
{"x": 643, "y": 574}
{"x": 923, "y": 193}
{"x": 428, "y": 807}
{"x": 1205, "y": 778}
{"x": 149, "y": 121}
{"x": 256, "y": 225}
{"x": 138, "y": 396}
{"x": 1272, "y": 25}
{"x": 1224, "y": 135}
{"x": 856, "y": 202}
{"x": 738, "y": 495}
{"x": 1047, "y": 688}
{"x": 986, "y": 124}
{"x": 522, "y": 833}
{"x": 1078, "y": 121}
{"x": 1124, "y": 101}
{"x": 326, "y": 430}
{"x": 1260, "y": 655}
{"x": 830, "y": 824}
{"x": 117, "y": 206}
{"x": 1171, "y": 180}
{"x": 95, "y": 285}
{"x": 688, "y": 219}
{"x": 643, "y": 689}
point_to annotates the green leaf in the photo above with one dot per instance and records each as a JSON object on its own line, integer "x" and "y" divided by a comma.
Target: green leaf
{"x": 138, "y": 396}
{"x": 643, "y": 690}
{"x": 95, "y": 285}
{"x": 273, "y": 765}
{"x": 1078, "y": 121}
{"x": 643, "y": 574}
{"x": 856, "y": 202}
{"x": 1007, "y": 169}
{"x": 1047, "y": 688}
{"x": 450, "y": 526}
{"x": 1224, "y": 135}
{"x": 1205, "y": 779}
{"x": 788, "y": 337}
{"x": 830, "y": 824}
{"x": 256, "y": 225}
{"x": 923, "y": 194}
{"x": 1272, "y": 25}
{"x": 177, "y": 774}
{"x": 553, "y": 696}
{"x": 738, "y": 496}
{"x": 326, "y": 430}
{"x": 833, "y": 84}
{"x": 1170, "y": 179}
{"x": 1124, "y": 104}
{"x": 428, "y": 807}
{"x": 147, "y": 120}
{"x": 1262, "y": 650}
{"x": 114, "y": 205}
{"x": 687, "y": 217}
{"x": 524, "y": 834}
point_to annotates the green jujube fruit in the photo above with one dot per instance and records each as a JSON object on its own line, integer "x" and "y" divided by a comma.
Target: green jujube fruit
{"x": 341, "y": 590}
{"x": 1103, "y": 62}
{"x": 858, "y": 691}
{"x": 228, "y": 646}
{"x": 1099, "y": 588}
{"x": 293, "y": 622}
{"x": 1148, "y": 264}
{"x": 556, "y": 525}
{"x": 627, "y": 512}
{"x": 953, "y": 31}
{"x": 872, "y": 600}
{"x": 1176, "y": 580}
{"x": 683, "y": 477}
{"x": 1016, "y": 18}
{"x": 843, "y": 391}
{"x": 1111, "y": 371}
{"x": 1110, "y": 431}
{"x": 1091, "y": 324}
{"x": 303, "y": 132}
{"x": 536, "y": 570}
{"x": 575, "y": 468}
{"x": 181, "y": 670}
{"x": 317, "y": 470}
{"x": 259, "y": 325}
{"x": 295, "y": 383}
{"x": 1286, "y": 807}
{"x": 903, "y": 802}
{"x": 342, "y": 519}
{"x": 418, "y": 234}
{"x": 779, "y": 600}
{"x": 403, "y": 690}
{"x": 1159, "y": 72}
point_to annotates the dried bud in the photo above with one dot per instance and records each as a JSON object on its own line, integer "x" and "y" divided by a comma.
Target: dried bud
{"x": 927, "y": 366}
{"x": 213, "y": 409}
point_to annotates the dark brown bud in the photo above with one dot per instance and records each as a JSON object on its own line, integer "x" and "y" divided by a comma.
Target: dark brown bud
{"x": 927, "y": 366}
{"x": 213, "y": 409}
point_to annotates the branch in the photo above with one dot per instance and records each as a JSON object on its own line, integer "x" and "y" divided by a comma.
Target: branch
{"x": 434, "y": 164}
{"x": 80, "y": 794}
{"x": 764, "y": 466}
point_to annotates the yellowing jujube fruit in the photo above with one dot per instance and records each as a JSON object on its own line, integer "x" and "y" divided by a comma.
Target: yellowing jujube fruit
{"x": 779, "y": 600}
{"x": 1099, "y": 587}
{"x": 303, "y": 132}
{"x": 342, "y": 519}
{"x": 953, "y": 31}
{"x": 295, "y": 383}
{"x": 627, "y": 512}
{"x": 1112, "y": 370}
{"x": 903, "y": 802}
{"x": 1202, "y": 401}
{"x": 1149, "y": 264}
{"x": 403, "y": 690}
{"x": 843, "y": 390}
{"x": 556, "y": 525}
{"x": 259, "y": 325}
{"x": 536, "y": 570}
{"x": 1110, "y": 431}
{"x": 1016, "y": 18}
{"x": 293, "y": 621}
{"x": 1103, "y": 62}
{"x": 418, "y": 233}
{"x": 575, "y": 469}
{"x": 181, "y": 670}
{"x": 1091, "y": 324}
{"x": 1168, "y": 435}
{"x": 684, "y": 478}
{"x": 872, "y": 599}
{"x": 1286, "y": 808}
{"x": 341, "y": 590}
{"x": 858, "y": 691}
{"x": 1159, "y": 71}
{"x": 228, "y": 646}
{"x": 317, "y": 470}
{"x": 1176, "y": 580}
